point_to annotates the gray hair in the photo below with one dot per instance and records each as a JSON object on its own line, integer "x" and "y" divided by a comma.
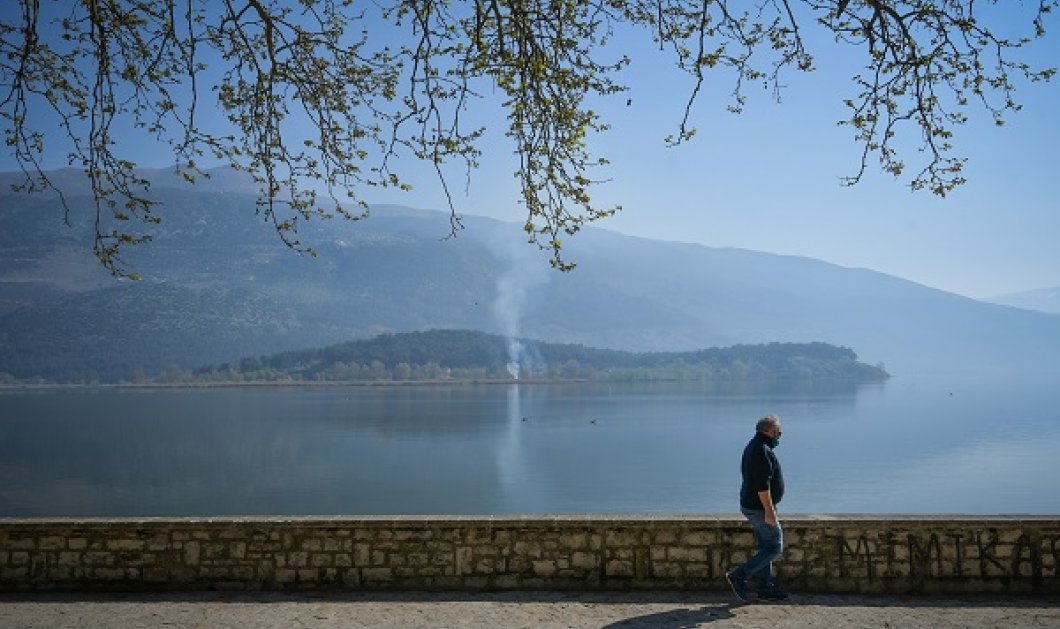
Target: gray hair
{"x": 767, "y": 423}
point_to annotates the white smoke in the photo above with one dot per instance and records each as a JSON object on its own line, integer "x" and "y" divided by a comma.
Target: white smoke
{"x": 523, "y": 272}
{"x": 508, "y": 307}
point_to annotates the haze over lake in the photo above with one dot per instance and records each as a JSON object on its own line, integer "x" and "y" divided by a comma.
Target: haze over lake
{"x": 974, "y": 446}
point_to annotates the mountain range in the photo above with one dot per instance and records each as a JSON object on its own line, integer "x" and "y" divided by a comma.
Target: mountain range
{"x": 219, "y": 286}
{"x": 1041, "y": 299}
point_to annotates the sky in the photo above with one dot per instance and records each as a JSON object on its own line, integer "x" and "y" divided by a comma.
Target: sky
{"x": 769, "y": 179}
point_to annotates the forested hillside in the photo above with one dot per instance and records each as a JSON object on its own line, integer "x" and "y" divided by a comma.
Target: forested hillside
{"x": 466, "y": 354}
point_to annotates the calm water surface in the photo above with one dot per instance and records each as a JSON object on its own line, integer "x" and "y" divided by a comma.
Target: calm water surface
{"x": 903, "y": 446}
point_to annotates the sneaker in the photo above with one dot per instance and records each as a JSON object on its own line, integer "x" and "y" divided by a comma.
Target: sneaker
{"x": 772, "y": 594}
{"x": 739, "y": 586}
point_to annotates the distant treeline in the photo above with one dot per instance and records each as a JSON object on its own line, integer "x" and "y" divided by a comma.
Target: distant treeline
{"x": 470, "y": 355}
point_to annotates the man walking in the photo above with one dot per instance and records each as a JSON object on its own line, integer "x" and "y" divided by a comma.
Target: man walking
{"x": 760, "y": 492}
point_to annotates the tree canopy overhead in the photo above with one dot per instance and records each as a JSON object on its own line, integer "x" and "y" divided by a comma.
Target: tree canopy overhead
{"x": 323, "y": 98}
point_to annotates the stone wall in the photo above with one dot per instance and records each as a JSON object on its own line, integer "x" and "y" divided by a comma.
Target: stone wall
{"x": 822, "y": 553}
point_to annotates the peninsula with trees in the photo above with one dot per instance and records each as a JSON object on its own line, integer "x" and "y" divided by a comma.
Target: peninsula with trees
{"x": 465, "y": 355}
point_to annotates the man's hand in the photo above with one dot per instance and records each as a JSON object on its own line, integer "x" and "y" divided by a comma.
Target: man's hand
{"x": 767, "y": 503}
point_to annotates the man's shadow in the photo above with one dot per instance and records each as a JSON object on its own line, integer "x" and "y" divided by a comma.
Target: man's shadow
{"x": 678, "y": 618}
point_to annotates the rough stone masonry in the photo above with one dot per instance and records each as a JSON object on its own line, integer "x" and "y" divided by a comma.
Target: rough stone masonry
{"x": 866, "y": 554}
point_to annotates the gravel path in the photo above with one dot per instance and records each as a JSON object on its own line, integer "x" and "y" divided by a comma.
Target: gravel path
{"x": 657, "y": 610}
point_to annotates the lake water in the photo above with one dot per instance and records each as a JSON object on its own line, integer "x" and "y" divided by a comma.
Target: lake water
{"x": 978, "y": 447}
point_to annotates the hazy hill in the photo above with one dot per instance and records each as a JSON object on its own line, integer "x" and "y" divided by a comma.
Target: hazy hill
{"x": 219, "y": 286}
{"x": 1043, "y": 300}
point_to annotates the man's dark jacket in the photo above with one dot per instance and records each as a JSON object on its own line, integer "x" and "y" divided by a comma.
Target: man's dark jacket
{"x": 761, "y": 471}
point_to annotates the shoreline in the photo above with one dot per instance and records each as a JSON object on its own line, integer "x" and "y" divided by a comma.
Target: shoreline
{"x": 289, "y": 384}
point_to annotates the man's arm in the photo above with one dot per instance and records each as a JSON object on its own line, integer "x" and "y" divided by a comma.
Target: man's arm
{"x": 766, "y": 497}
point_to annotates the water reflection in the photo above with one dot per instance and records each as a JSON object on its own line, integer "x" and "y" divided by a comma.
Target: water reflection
{"x": 972, "y": 447}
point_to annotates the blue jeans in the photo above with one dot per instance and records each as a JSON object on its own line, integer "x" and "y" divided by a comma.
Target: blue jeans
{"x": 770, "y": 541}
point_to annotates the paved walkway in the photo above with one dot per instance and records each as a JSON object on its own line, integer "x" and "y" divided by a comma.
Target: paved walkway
{"x": 524, "y": 609}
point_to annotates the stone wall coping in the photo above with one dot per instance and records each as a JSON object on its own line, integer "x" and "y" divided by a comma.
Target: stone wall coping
{"x": 530, "y": 521}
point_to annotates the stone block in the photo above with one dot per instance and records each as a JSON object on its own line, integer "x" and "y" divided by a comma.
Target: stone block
{"x": 619, "y": 569}
{"x": 744, "y": 540}
{"x": 69, "y": 558}
{"x": 683, "y": 553}
{"x": 322, "y": 561}
{"x": 343, "y": 560}
{"x": 215, "y": 573}
{"x": 332, "y": 545}
{"x": 437, "y": 546}
{"x": 528, "y": 549}
{"x": 698, "y": 538}
{"x": 109, "y": 574}
{"x": 191, "y": 553}
{"x": 213, "y": 551}
{"x": 308, "y": 575}
{"x": 578, "y": 541}
{"x": 505, "y": 581}
{"x": 158, "y": 542}
{"x": 620, "y": 553}
{"x": 361, "y": 555}
{"x": 284, "y": 575}
{"x": 658, "y": 553}
{"x": 19, "y": 558}
{"x": 544, "y": 568}
{"x": 181, "y": 574}
{"x": 21, "y": 543}
{"x": 442, "y": 559}
{"x": 417, "y": 559}
{"x": 313, "y": 545}
{"x": 376, "y": 575}
{"x": 51, "y": 542}
{"x": 667, "y": 570}
{"x": 477, "y": 537}
{"x": 237, "y": 550}
{"x": 407, "y": 534}
{"x": 350, "y": 577}
{"x": 156, "y": 575}
{"x": 95, "y": 558}
{"x": 14, "y": 573}
{"x": 621, "y": 537}
{"x": 378, "y": 558}
{"x": 298, "y": 560}
{"x": 462, "y": 557}
{"x": 517, "y": 564}
{"x": 584, "y": 560}
{"x": 77, "y": 543}
{"x": 665, "y": 536}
